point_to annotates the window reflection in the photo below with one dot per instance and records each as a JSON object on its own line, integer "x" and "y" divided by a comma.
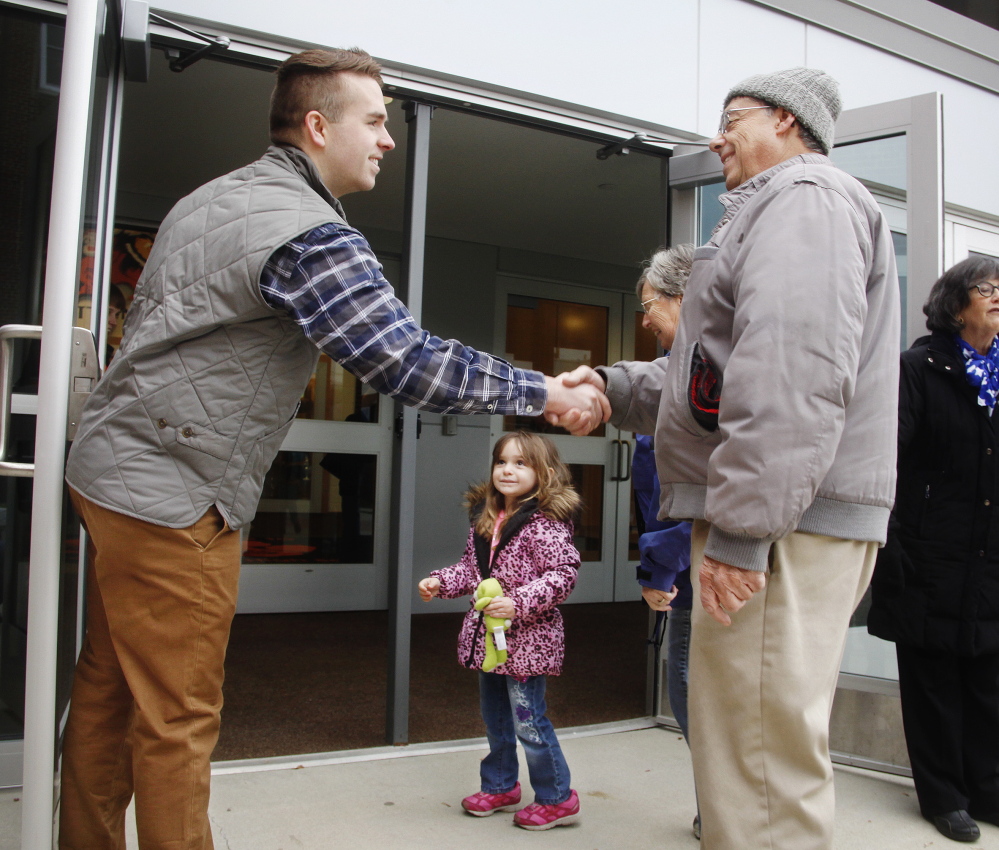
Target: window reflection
{"x": 316, "y": 508}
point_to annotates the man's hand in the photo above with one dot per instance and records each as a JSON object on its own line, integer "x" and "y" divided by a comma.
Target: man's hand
{"x": 725, "y": 589}
{"x": 579, "y": 406}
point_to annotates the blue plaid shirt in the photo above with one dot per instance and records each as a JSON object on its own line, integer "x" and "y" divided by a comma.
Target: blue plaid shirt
{"x": 330, "y": 283}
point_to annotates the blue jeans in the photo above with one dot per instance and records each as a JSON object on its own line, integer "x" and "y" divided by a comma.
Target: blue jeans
{"x": 677, "y": 664}
{"x": 515, "y": 710}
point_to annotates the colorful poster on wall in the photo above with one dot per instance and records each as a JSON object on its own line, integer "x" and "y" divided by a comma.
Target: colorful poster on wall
{"x": 130, "y": 248}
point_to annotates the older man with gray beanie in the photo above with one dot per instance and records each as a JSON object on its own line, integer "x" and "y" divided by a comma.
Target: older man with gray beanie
{"x": 774, "y": 422}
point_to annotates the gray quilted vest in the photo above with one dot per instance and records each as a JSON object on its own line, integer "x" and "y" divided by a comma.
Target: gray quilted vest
{"x": 195, "y": 404}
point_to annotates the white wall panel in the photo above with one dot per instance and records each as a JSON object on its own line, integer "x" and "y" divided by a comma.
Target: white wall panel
{"x": 667, "y": 62}
{"x": 737, "y": 40}
{"x": 614, "y": 58}
{"x": 971, "y": 115}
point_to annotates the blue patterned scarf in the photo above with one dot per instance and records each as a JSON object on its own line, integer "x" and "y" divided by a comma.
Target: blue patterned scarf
{"x": 982, "y": 371}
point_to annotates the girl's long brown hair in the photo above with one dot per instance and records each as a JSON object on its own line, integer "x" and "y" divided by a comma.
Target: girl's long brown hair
{"x": 557, "y": 497}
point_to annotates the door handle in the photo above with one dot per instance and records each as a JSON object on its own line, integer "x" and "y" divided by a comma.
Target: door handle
{"x": 84, "y": 372}
{"x": 622, "y": 471}
{"x": 8, "y": 333}
{"x": 626, "y": 475}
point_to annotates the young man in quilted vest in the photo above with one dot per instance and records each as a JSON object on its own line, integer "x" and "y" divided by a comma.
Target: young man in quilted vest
{"x": 250, "y": 277}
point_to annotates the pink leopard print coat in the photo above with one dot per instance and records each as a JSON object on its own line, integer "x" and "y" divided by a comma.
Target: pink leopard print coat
{"x": 537, "y": 569}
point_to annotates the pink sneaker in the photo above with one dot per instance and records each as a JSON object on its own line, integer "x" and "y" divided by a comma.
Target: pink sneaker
{"x": 537, "y": 816}
{"x": 482, "y": 804}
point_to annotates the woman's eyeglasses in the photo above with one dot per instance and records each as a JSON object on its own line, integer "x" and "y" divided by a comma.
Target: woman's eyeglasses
{"x": 986, "y": 288}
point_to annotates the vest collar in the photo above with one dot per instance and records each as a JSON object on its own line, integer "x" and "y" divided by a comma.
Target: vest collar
{"x": 298, "y": 161}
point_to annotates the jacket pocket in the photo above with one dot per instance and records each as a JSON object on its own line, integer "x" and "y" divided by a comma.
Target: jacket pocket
{"x": 204, "y": 439}
{"x": 267, "y": 445}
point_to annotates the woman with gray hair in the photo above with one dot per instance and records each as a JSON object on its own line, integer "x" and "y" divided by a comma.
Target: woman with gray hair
{"x": 664, "y": 570}
{"x": 660, "y": 289}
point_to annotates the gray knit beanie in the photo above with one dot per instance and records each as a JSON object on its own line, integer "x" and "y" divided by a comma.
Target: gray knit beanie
{"x": 810, "y": 96}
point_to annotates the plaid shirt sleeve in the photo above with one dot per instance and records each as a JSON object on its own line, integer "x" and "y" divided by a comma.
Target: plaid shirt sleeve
{"x": 330, "y": 283}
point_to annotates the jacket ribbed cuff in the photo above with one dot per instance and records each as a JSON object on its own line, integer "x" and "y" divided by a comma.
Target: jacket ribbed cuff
{"x": 738, "y": 550}
{"x": 618, "y": 391}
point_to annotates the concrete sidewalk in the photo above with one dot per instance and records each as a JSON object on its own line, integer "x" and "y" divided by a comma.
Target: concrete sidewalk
{"x": 634, "y": 783}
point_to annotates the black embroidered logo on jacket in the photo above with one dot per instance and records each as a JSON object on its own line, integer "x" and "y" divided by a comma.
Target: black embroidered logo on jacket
{"x": 704, "y": 390}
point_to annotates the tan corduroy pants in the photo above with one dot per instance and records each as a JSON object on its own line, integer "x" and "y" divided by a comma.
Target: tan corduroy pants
{"x": 144, "y": 715}
{"x": 761, "y": 693}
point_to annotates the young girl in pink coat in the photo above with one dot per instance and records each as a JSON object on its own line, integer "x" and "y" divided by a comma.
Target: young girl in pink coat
{"x": 521, "y": 535}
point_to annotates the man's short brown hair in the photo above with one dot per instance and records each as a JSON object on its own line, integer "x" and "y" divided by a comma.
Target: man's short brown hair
{"x": 311, "y": 80}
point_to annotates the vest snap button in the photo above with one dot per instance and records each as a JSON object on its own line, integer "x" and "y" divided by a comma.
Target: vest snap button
{"x": 161, "y": 423}
{"x": 188, "y": 432}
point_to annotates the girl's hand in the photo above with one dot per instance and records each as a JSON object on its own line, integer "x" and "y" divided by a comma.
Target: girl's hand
{"x": 501, "y": 607}
{"x": 659, "y": 600}
{"x": 429, "y": 588}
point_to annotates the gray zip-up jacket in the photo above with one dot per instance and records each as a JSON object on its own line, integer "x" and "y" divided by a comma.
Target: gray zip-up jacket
{"x": 794, "y": 305}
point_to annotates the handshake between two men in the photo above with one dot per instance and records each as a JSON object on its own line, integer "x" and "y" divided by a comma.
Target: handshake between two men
{"x": 576, "y": 401}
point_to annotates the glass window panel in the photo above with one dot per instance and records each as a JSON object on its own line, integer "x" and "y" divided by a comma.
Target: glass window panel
{"x": 589, "y": 481}
{"x": 900, "y": 242}
{"x": 553, "y": 337}
{"x": 879, "y": 163}
{"x": 316, "y": 508}
{"x": 710, "y": 210}
{"x": 27, "y": 142}
{"x": 335, "y": 395}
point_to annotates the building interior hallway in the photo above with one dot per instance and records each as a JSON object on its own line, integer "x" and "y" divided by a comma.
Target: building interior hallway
{"x": 314, "y": 683}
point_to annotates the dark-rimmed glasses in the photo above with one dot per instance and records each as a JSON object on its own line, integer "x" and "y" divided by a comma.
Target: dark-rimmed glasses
{"x": 985, "y": 288}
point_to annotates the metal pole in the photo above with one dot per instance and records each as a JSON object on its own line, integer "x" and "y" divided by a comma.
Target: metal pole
{"x": 404, "y": 459}
{"x": 83, "y": 22}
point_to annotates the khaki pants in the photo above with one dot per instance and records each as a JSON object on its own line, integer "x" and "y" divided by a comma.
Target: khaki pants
{"x": 144, "y": 715}
{"x": 761, "y": 694}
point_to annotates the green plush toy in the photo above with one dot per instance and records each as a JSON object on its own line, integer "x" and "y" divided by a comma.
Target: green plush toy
{"x": 488, "y": 590}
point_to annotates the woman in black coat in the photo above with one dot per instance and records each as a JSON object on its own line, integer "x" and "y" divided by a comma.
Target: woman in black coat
{"x": 936, "y": 584}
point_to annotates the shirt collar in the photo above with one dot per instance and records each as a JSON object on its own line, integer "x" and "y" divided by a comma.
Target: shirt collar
{"x": 733, "y": 201}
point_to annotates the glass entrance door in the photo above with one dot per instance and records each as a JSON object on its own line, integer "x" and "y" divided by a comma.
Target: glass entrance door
{"x": 554, "y": 328}
{"x": 61, "y": 115}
